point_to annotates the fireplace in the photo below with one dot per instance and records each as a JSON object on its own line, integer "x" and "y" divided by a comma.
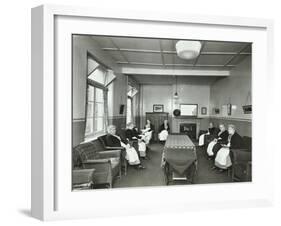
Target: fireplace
{"x": 189, "y": 129}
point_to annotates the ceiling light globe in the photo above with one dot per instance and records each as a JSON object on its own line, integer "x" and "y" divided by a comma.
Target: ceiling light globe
{"x": 188, "y": 49}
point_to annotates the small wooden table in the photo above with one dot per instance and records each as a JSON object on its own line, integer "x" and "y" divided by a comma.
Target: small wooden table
{"x": 179, "y": 158}
{"x": 82, "y": 179}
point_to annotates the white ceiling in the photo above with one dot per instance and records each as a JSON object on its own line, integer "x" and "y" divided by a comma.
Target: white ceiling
{"x": 161, "y": 54}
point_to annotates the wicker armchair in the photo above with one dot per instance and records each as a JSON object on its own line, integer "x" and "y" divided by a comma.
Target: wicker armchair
{"x": 92, "y": 155}
{"x": 124, "y": 163}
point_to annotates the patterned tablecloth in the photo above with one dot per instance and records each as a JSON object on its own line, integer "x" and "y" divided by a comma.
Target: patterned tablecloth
{"x": 180, "y": 152}
{"x": 179, "y": 141}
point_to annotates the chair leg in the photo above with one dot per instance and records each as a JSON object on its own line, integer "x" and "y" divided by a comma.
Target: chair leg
{"x": 120, "y": 170}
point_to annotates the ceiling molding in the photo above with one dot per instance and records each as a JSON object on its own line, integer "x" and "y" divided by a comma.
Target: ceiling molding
{"x": 172, "y": 52}
{"x": 178, "y": 72}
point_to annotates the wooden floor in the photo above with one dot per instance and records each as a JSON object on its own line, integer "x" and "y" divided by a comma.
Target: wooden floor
{"x": 153, "y": 174}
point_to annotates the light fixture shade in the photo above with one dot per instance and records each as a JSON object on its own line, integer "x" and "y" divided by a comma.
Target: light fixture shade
{"x": 188, "y": 49}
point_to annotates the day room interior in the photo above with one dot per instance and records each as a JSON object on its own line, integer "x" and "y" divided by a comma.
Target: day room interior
{"x": 126, "y": 80}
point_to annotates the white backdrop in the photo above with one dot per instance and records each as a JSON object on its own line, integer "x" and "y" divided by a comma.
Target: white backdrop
{"x": 15, "y": 113}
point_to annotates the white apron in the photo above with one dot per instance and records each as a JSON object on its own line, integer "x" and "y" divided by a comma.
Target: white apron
{"x": 201, "y": 140}
{"x": 131, "y": 154}
{"x": 163, "y": 135}
{"x": 223, "y": 160}
{"x": 142, "y": 149}
{"x": 147, "y": 137}
{"x": 210, "y": 148}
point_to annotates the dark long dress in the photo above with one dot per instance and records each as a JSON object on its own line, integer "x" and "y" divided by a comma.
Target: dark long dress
{"x": 162, "y": 127}
{"x": 224, "y": 140}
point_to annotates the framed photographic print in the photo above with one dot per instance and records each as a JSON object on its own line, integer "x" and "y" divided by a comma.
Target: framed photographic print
{"x": 203, "y": 110}
{"x": 158, "y": 108}
{"x": 229, "y": 108}
{"x": 80, "y": 78}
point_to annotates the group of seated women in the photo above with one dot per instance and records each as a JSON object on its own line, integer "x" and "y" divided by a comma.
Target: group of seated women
{"x": 131, "y": 135}
{"x": 220, "y": 145}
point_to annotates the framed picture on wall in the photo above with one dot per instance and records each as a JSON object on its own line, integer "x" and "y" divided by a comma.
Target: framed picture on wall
{"x": 203, "y": 111}
{"x": 61, "y": 121}
{"x": 158, "y": 108}
{"x": 229, "y": 108}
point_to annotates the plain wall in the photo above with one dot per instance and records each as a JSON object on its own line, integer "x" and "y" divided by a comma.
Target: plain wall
{"x": 164, "y": 94}
{"x": 234, "y": 89}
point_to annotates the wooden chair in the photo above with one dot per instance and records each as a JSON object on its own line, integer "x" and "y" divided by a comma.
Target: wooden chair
{"x": 241, "y": 159}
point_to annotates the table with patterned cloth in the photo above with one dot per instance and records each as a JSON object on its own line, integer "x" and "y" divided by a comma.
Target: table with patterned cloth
{"x": 179, "y": 159}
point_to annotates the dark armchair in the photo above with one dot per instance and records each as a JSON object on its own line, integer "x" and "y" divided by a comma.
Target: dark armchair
{"x": 242, "y": 161}
{"x": 91, "y": 155}
{"x": 124, "y": 164}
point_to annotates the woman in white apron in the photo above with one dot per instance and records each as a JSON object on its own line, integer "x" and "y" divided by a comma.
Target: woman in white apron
{"x": 112, "y": 140}
{"x": 211, "y": 131}
{"x": 235, "y": 141}
{"x": 221, "y": 138}
{"x": 164, "y": 131}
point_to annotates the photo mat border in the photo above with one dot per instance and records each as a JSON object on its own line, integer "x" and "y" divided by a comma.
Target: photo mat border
{"x": 44, "y": 88}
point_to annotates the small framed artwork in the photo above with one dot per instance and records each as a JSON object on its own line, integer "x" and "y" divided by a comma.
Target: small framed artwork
{"x": 217, "y": 110}
{"x": 229, "y": 106}
{"x": 203, "y": 111}
{"x": 158, "y": 108}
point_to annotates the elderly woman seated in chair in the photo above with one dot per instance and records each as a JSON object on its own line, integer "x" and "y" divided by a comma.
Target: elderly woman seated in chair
{"x": 113, "y": 140}
{"x": 215, "y": 144}
{"x": 132, "y": 134}
{"x": 222, "y": 160}
{"x": 146, "y": 133}
{"x": 164, "y": 131}
{"x": 211, "y": 131}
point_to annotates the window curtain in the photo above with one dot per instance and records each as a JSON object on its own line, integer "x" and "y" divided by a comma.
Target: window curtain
{"x": 105, "y": 96}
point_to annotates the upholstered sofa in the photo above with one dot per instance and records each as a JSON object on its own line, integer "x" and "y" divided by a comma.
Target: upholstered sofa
{"x": 92, "y": 155}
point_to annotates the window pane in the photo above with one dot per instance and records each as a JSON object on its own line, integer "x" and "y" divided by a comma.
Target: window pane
{"x": 99, "y": 95}
{"x": 90, "y": 109}
{"x": 89, "y": 126}
{"x": 91, "y": 93}
{"x": 92, "y": 64}
{"x": 129, "y": 110}
{"x": 98, "y": 76}
{"x": 99, "y": 109}
{"x": 99, "y": 123}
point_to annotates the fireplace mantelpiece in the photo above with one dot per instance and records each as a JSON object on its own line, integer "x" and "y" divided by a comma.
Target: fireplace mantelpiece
{"x": 176, "y": 121}
{"x": 188, "y": 129}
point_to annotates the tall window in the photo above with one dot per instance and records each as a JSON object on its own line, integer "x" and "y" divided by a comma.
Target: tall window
{"x": 95, "y": 120}
{"x": 132, "y": 91}
{"x": 96, "y": 105}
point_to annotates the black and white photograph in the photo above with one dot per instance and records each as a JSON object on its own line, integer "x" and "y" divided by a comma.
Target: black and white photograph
{"x": 160, "y": 112}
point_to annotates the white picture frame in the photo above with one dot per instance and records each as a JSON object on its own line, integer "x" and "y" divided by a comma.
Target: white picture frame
{"x": 52, "y": 197}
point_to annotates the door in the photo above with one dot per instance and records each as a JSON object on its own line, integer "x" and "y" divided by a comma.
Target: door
{"x": 157, "y": 120}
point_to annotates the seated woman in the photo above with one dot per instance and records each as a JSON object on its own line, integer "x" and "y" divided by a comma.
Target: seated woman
{"x": 211, "y": 131}
{"x": 113, "y": 140}
{"x": 146, "y": 134}
{"x": 222, "y": 160}
{"x": 215, "y": 144}
{"x": 147, "y": 131}
{"x": 133, "y": 134}
{"x": 164, "y": 131}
